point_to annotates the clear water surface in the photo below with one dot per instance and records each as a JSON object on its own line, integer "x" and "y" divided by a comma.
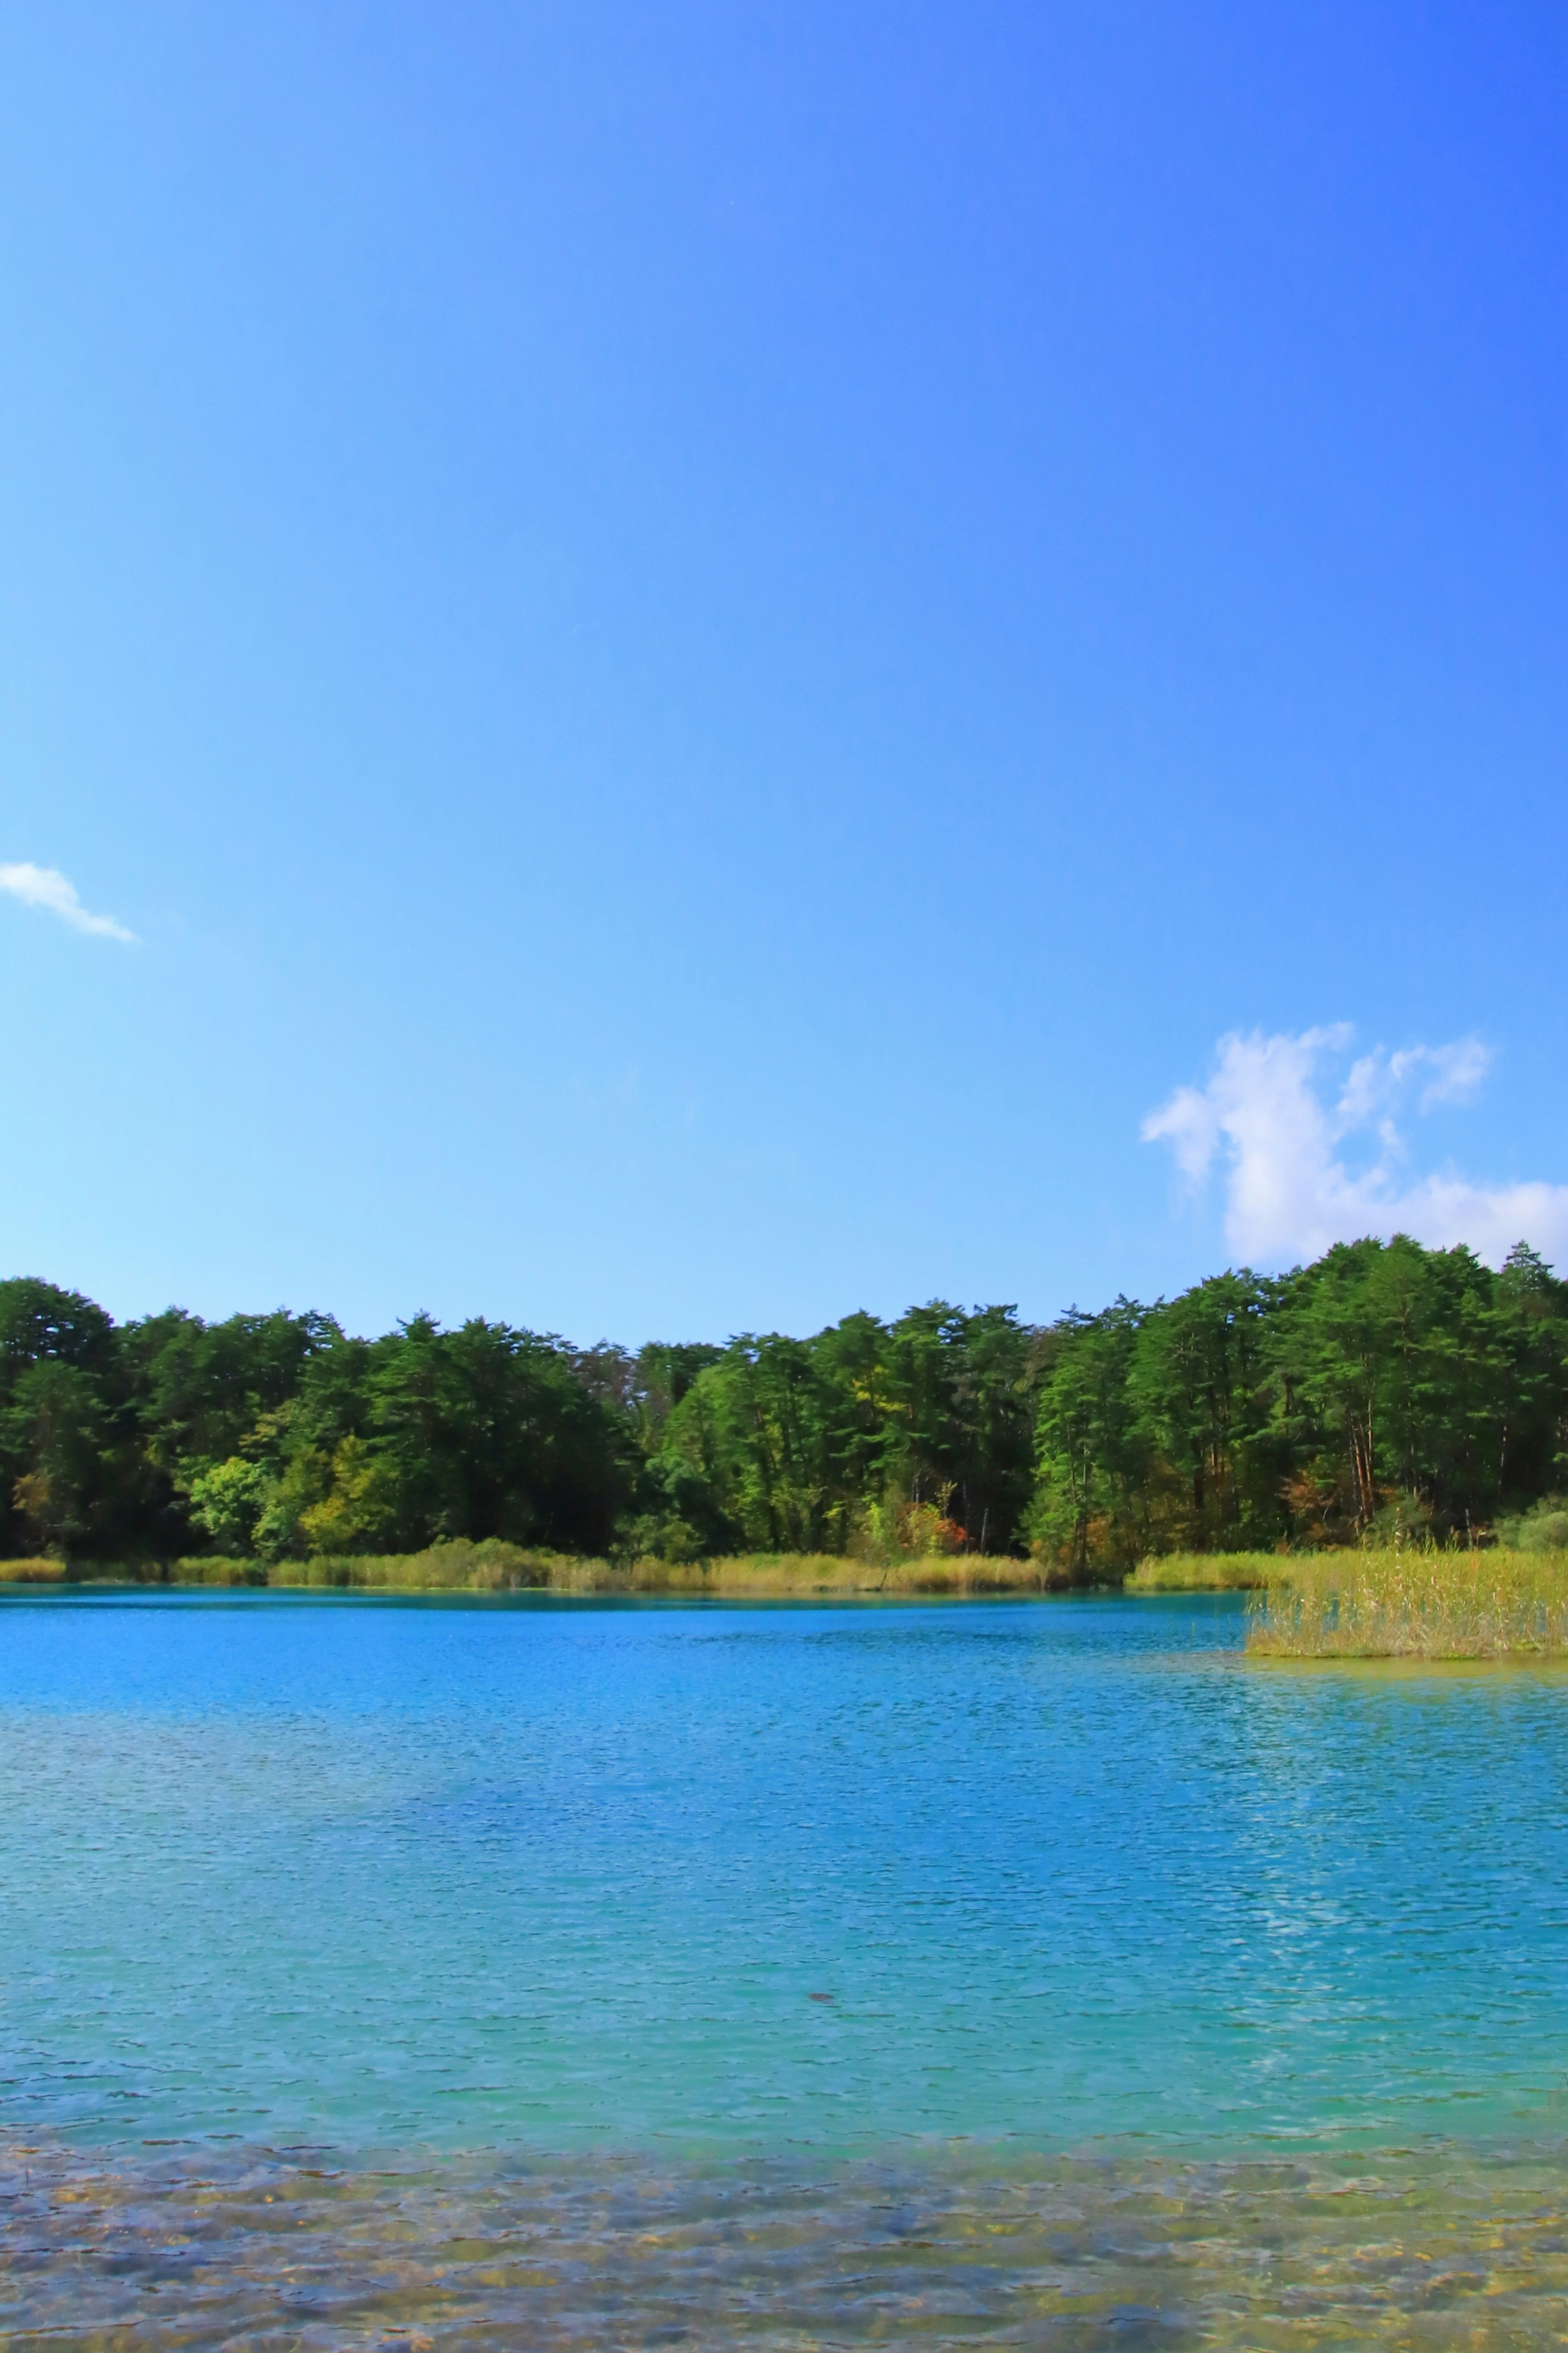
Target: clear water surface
{"x": 474, "y": 1873}
{"x": 450, "y": 1974}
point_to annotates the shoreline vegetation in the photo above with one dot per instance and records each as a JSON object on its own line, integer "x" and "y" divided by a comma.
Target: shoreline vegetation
{"x": 1412, "y": 1603}
{"x": 1306, "y": 1438}
{"x": 1393, "y": 1602}
{"x": 1390, "y": 1601}
{"x": 499, "y": 1569}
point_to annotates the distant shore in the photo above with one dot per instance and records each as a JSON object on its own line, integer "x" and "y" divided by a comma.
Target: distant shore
{"x": 1384, "y": 1603}
{"x": 495, "y": 1567}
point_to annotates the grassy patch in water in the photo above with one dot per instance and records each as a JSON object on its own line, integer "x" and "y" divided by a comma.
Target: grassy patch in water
{"x": 1415, "y": 1604}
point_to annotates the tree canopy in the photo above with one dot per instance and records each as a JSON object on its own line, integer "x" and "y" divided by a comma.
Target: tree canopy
{"x": 1250, "y": 1411}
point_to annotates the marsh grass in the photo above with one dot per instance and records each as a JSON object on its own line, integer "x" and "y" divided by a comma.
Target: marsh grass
{"x": 492, "y": 1566}
{"x": 1392, "y": 1603}
{"x": 1410, "y": 1603}
{"x": 774, "y": 1573}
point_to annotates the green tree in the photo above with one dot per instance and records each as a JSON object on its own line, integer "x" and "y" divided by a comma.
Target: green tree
{"x": 69, "y": 1464}
{"x": 490, "y": 1432}
{"x": 65, "y": 1471}
{"x": 1091, "y": 1511}
{"x": 1391, "y": 1382}
{"x": 1198, "y": 1396}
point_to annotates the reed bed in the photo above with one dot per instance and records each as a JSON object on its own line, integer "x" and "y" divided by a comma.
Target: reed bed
{"x": 492, "y": 1566}
{"x": 783, "y": 1573}
{"x": 1415, "y": 1604}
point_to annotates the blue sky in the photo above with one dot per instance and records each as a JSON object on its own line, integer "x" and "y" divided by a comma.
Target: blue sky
{"x": 711, "y": 648}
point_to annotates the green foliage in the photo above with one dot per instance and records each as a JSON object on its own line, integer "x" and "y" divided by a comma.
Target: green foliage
{"x": 1386, "y": 1388}
{"x": 226, "y": 1501}
{"x": 69, "y": 1462}
{"x": 1385, "y": 1393}
{"x": 820, "y": 1444}
{"x": 1543, "y": 1528}
{"x": 1208, "y": 1572}
{"x": 57, "y": 1423}
{"x": 1095, "y": 1463}
{"x": 420, "y": 1437}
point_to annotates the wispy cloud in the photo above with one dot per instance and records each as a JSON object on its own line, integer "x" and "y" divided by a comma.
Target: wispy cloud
{"x": 46, "y": 887}
{"x": 1289, "y": 1141}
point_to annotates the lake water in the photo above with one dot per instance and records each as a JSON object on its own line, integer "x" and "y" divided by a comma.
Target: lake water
{"x": 434, "y": 1971}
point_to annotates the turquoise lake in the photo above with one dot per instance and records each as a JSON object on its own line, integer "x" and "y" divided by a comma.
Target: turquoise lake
{"x": 945, "y": 1896}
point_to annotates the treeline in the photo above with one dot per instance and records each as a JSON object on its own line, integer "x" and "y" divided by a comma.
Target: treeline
{"x": 1385, "y": 1381}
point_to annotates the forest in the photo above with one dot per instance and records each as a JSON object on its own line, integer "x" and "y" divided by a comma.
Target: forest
{"x": 1386, "y": 1384}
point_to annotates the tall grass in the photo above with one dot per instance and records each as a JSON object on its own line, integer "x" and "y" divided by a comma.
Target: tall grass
{"x": 765, "y": 1573}
{"x": 1415, "y": 1604}
{"x": 492, "y": 1566}
{"x": 1374, "y": 1604}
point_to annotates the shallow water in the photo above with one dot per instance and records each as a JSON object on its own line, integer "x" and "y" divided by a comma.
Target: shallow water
{"x": 1425, "y": 2249}
{"x": 625, "y": 1966}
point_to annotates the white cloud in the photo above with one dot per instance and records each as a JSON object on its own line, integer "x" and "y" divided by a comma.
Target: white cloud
{"x": 1289, "y": 1148}
{"x": 44, "y": 886}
